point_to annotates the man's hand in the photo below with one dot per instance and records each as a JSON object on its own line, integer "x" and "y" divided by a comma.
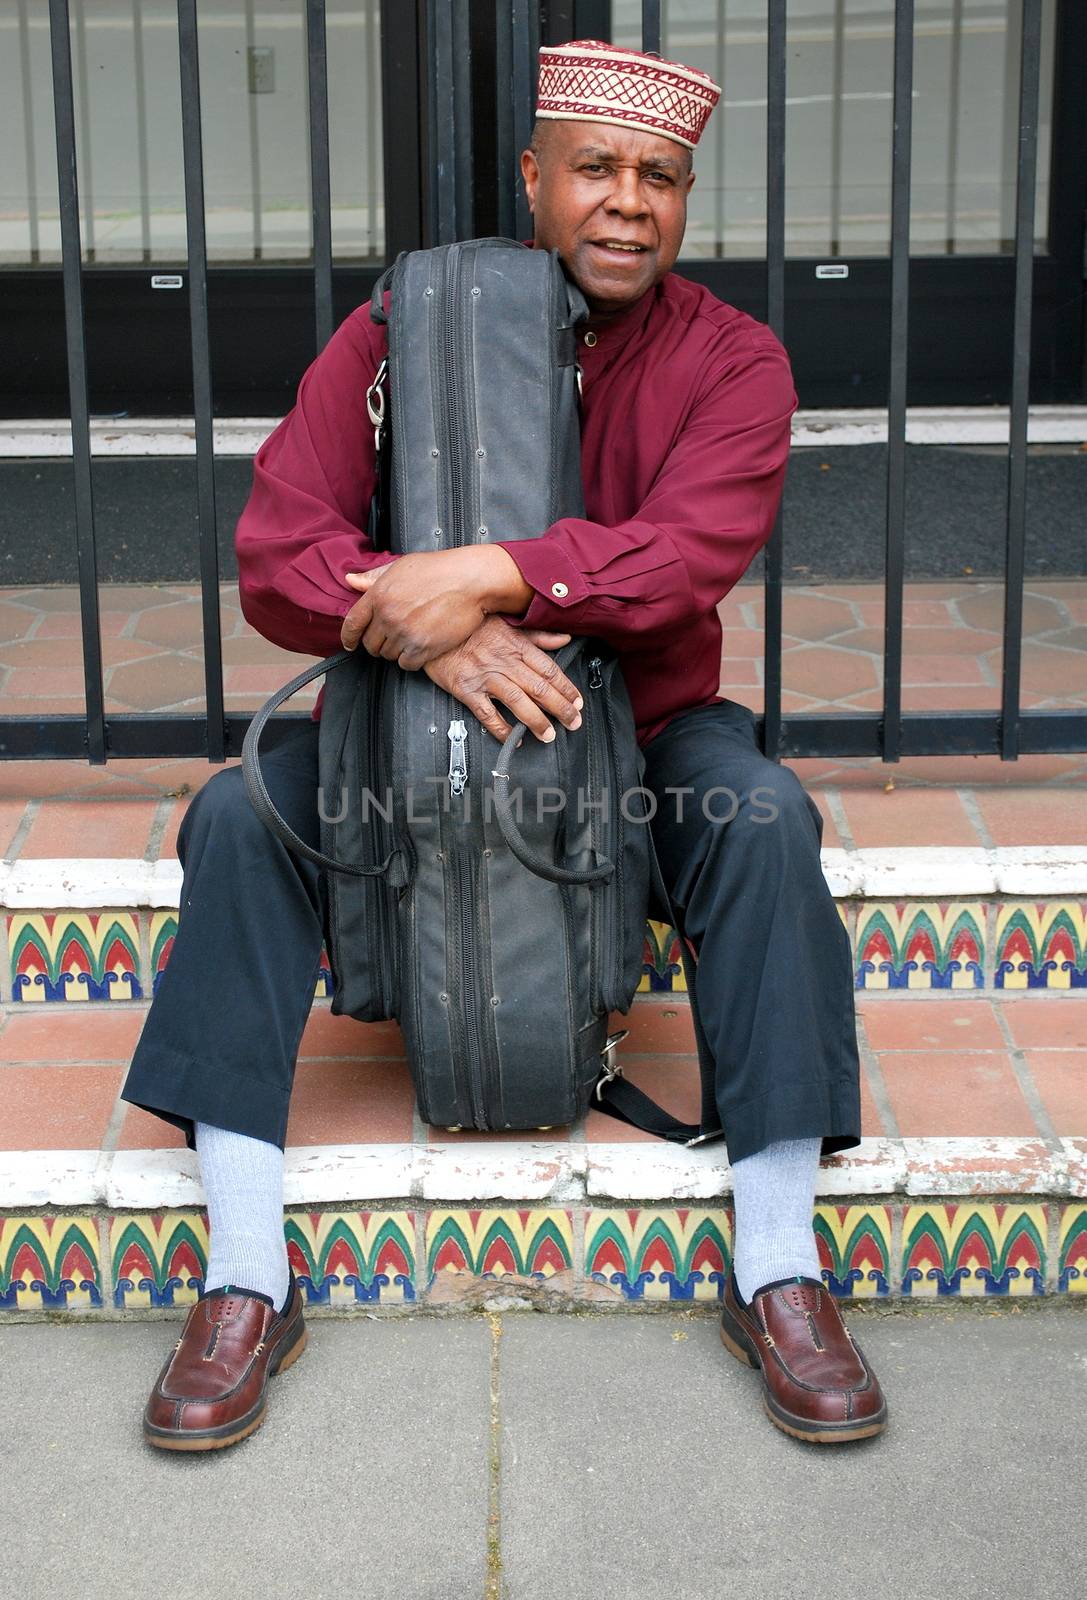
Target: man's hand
{"x": 511, "y": 665}
{"x": 421, "y": 605}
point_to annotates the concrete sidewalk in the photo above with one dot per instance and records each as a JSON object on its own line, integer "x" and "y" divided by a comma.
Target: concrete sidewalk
{"x": 522, "y": 1456}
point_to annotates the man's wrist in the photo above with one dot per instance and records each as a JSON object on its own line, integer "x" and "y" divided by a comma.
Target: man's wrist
{"x": 501, "y": 584}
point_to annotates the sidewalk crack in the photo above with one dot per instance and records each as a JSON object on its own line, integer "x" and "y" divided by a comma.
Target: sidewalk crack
{"x": 493, "y": 1586}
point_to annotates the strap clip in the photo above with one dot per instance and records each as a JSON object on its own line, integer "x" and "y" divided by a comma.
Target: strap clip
{"x": 375, "y": 403}
{"x": 610, "y": 1067}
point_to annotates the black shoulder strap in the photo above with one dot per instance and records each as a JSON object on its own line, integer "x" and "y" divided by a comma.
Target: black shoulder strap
{"x": 621, "y": 1099}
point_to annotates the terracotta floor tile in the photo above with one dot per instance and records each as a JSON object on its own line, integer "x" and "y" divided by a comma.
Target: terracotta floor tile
{"x": 1035, "y": 816}
{"x": 56, "y": 1108}
{"x": 945, "y": 1094}
{"x": 1047, "y": 1024}
{"x": 56, "y": 1032}
{"x": 907, "y": 818}
{"x": 917, "y": 1024}
{"x": 11, "y": 814}
{"x": 351, "y": 1102}
{"x": 328, "y": 1036}
{"x": 28, "y": 684}
{"x": 143, "y": 1131}
{"x": 671, "y": 1080}
{"x": 656, "y": 1027}
{"x": 168, "y": 844}
{"x": 831, "y": 674}
{"x": 740, "y": 673}
{"x": 1060, "y": 1077}
{"x": 113, "y": 827}
{"x": 871, "y": 1121}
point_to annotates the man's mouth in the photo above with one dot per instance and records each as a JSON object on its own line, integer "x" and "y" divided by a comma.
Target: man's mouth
{"x": 619, "y": 249}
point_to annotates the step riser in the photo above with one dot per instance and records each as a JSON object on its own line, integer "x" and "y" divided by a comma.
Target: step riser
{"x": 562, "y": 1257}
{"x": 998, "y": 943}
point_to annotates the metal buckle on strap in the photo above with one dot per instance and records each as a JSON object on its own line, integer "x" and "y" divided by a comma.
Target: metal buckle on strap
{"x": 375, "y": 402}
{"x": 611, "y": 1068}
{"x": 704, "y": 1138}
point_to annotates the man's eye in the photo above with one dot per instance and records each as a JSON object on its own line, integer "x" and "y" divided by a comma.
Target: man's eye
{"x": 592, "y": 166}
{"x": 663, "y": 175}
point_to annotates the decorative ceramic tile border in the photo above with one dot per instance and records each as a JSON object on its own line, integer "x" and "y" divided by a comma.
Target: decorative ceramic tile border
{"x": 1072, "y": 1250}
{"x": 855, "y": 1249}
{"x": 67, "y": 955}
{"x": 585, "y": 1255}
{"x": 974, "y": 1250}
{"x": 49, "y": 1264}
{"x": 349, "y": 1258}
{"x": 504, "y": 1244}
{"x": 659, "y": 1255}
{"x": 911, "y": 945}
{"x": 158, "y": 1260}
{"x": 1041, "y": 944}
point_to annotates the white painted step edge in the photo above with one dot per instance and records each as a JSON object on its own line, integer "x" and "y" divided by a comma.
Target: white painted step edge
{"x": 243, "y": 436}
{"x": 47, "y": 883}
{"x": 542, "y": 1172}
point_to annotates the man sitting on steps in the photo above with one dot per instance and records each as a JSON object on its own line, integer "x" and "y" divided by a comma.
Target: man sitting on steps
{"x": 686, "y": 411}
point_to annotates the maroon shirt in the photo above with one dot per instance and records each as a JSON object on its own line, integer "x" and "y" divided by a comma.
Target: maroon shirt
{"x": 685, "y": 437}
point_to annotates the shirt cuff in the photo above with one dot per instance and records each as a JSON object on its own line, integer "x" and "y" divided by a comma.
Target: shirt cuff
{"x": 559, "y": 585}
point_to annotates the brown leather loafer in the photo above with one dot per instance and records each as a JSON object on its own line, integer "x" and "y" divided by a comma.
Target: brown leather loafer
{"x": 212, "y": 1390}
{"x": 817, "y": 1384}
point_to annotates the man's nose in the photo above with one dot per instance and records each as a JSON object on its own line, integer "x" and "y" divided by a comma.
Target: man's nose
{"x": 626, "y": 196}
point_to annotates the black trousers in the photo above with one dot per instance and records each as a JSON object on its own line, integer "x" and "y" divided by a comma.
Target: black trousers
{"x": 738, "y": 839}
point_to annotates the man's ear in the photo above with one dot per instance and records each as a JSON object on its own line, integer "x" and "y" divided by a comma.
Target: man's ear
{"x": 530, "y": 172}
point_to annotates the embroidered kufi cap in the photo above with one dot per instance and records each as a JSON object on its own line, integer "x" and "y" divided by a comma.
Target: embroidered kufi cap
{"x": 589, "y": 81}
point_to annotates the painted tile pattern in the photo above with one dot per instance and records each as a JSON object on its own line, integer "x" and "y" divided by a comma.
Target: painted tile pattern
{"x": 68, "y": 955}
{"x": 158, "y": 1259}
{"x": 1072, "y": 1258}
{"x": 1041, "y": 944}
{"x": 662, "y": 963}
{"x": 163, "y": 933}
{"x": 855, "y": 1249}
{"x": 920, "y": 945}
{"x": 49, "y": 1264}
{"x": 974, "y": 1250}
{"x": 348, "y": 1258}
{"x": 499, "y": 1243}
{"x": 645, "y": 1254}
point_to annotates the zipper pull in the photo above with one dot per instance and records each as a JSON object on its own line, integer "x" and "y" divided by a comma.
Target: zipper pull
{"x": 458, "y": 761}
{"x": 596, "y": 681}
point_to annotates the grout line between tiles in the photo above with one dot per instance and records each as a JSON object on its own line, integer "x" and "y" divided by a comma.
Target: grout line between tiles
{"x": 1029, "y": 1089}
{"x": 876, "y": 1084}
{"x": 970, "y": 805}
{"x": 26, "y": 822}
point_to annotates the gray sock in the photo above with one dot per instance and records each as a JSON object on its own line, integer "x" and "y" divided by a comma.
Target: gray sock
{"x": 774, "y": 1196}
{"x": 243, "y": 1184}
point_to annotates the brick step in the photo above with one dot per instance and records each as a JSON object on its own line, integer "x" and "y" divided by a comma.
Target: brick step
{"x": 971, "y": 1178}
{"x": 937, "y": 920}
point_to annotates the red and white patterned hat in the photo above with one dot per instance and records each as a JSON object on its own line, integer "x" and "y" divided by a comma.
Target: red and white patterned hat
{"x": 589, "y": 81}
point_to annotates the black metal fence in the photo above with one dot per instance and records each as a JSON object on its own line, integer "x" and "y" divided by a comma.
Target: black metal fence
{"x": 444, "y": 33}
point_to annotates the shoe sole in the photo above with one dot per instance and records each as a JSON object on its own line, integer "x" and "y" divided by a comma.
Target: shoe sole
{"x": 230, "y": 1432}
{"x": 738, "y": 1345}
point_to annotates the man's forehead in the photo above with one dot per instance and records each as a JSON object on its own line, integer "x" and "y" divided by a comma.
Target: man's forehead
{"x": 600, "y": 142}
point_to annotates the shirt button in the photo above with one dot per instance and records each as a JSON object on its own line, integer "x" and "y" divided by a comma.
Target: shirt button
{"x": 590, "y": 339}
{"x": 559, "y": 590}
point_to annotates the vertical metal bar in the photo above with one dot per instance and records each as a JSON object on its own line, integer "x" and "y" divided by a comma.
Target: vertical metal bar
{"x": 719, "y": 139}
{"x": 193, "y": 154}
{"x": 776, "y": 24}
{"x": 142, "y": 163}
{"x": 1013, "y": 29}
{"x": 462, "y": 117}
{"x": 651, "y": 25}
{"x": 373, "y": 121}
{"x": 320, "y": 184}
{"x": 504, "y": 118}
{"x": 954, "y": 96}
{"x": 1030, "y": 62}
{"x": 27, "y": 81}
{"x": 836, "y": 118}
{"x": 75, "y": 334}
{"x": 443, "y": 125}
{"x": 85, "y": 130}
{"x": 525, "y": 45}
{"x": 901, "y": 152}
{"x": 255, "y": 182}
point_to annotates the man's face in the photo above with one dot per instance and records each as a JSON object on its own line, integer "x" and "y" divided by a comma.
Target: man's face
{"x": 594, "y": 188}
